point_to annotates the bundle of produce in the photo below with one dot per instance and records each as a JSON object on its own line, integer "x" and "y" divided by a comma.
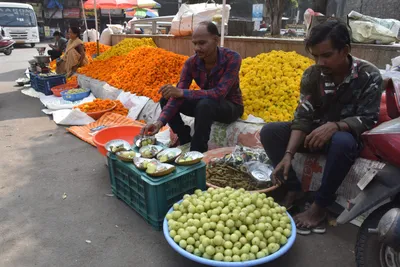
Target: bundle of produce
{"x": 126, "y": 46}
{"x": 76, "y": 91}
{"x": 222, "y": 175}
{"x": 143, "y": 71}
{"x": 229, "y": 225}
{"x": 270, "y": 83}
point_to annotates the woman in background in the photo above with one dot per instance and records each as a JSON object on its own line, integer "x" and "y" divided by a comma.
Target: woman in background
{"x": 74, "y": 56}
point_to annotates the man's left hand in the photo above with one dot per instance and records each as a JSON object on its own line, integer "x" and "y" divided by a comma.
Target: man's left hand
{"x": 169, "y": 91}
{"x": 320, "y": 136}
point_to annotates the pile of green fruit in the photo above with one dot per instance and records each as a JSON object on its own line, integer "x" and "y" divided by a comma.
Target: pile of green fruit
{"x": 185, "y": 159}
{"x": 167, "y": 157}
{"x": 229, "y": 225}
{"x": 76, "y": 91}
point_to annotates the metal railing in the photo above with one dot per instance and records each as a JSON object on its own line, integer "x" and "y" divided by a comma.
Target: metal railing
{"x": 156, "y": 24}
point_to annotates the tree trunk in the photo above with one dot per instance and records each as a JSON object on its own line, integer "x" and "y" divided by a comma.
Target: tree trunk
{"x": 320, "y": 6}
{"x": 276, "y": 22}
{"x": 275, "y": 10}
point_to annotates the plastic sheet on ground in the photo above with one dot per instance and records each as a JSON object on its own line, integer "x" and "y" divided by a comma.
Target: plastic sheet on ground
{"x": 99, "y": 89}
{"x": 109, "y": 119}
{"x": 32, "y": 93}
{"x": 56, "y": 103}
{"x": 71, "y": 117}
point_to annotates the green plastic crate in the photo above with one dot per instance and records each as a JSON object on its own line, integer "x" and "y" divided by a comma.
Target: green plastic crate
{"x": 153, "y": 197}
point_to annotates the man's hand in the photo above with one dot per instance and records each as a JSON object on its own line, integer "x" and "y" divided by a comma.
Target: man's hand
{"x": 282, "y": 168}
{"x": 169, "y": 91}
{"x": 151, "y": 128}
{"x": 320, "y": 136}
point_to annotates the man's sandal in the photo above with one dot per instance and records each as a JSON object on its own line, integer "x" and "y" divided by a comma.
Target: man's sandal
{"x": 303, "y": 231}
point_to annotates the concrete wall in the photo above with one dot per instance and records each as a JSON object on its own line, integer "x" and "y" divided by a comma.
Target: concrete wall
{"x": 381, "y": 9}
{"x": 380, "y": 55}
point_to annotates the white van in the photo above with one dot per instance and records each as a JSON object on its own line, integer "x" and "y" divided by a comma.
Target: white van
{"x": 19, "y": 22}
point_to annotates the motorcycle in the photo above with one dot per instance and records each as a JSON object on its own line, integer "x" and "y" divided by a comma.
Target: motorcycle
{"x": 6, "y": 45}
{"x": 378, "y": 240}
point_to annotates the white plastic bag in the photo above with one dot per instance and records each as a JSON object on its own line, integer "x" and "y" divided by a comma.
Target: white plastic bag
{"x": 367, "y": 29}
{"x": 84, "y": 81}
{"x": 189, "y": 17}
{"x": 57, "y": 103}
{"x": 90, "y": 35}
{"x": 150, "y": 112}
{"x": 164, "y": 137}
{"x": 115, "y": 28}
{"x": 105, "y": 37}
{"x": 71, "y": 117}
{"x": 133, "y": 102}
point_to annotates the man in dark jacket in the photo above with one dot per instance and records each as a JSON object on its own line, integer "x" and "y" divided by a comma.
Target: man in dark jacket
{"x": 340, "y": 99}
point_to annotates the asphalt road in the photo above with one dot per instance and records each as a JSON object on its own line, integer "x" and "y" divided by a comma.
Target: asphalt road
{"x": 40, "y": 162}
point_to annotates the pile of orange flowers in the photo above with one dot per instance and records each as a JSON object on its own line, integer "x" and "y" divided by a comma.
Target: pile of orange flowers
{"x": 53, "y": 65}
{"x": 91, "y": 49}
{"x": 142, "y": 71}
{"x": 120, "y": 109}
{"x": 72, "y": 79}
{"x": 98, "y": 105}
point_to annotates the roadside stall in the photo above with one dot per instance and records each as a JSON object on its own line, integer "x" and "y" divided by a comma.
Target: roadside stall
{"x": 108, "y": 102}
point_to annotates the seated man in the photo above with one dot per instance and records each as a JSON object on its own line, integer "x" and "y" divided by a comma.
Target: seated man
{"x": 216, "y": 71}
{"x": 340, "y": 99}
{"x": 58, "y": 47}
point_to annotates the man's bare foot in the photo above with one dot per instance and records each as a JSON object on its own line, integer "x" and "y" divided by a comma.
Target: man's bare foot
{"x": 311, "y": 218}
{"x": 291, "y": 197}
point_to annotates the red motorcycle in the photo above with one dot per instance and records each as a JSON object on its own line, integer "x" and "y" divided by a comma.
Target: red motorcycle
{"x": 6, "y": 45}
{"x": 378, "y": 241}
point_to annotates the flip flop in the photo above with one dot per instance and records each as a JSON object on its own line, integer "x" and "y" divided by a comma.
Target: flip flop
{"x": 320, "y": 229}
{"x": 303, "y": 230}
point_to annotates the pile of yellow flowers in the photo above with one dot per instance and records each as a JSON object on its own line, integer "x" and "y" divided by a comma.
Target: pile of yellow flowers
{"x": 270, "y": 83}
{"x": 126, "y": 46}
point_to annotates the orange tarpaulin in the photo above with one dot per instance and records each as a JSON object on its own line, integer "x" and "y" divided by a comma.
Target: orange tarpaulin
{"x": 108, "y": 119}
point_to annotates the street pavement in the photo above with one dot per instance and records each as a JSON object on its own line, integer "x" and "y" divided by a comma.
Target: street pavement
{"x": 40, "y": 162}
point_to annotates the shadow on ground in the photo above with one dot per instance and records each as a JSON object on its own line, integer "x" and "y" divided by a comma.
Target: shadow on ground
{"x": 15, "y": 105}
{"x": 11, "y": 76}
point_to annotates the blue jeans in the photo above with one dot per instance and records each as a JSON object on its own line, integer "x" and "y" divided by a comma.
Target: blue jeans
{"x": 341, "y": 152}
{"x": 205, "y": 112}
